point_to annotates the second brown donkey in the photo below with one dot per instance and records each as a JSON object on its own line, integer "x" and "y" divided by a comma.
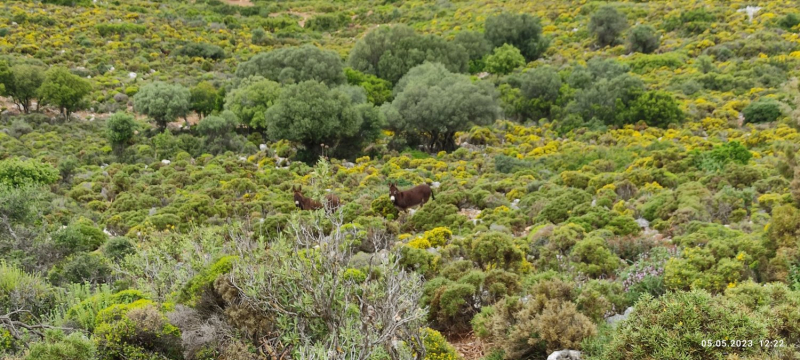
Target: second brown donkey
{"x": 332, "y": 201}
{"x": 417, "y": 195}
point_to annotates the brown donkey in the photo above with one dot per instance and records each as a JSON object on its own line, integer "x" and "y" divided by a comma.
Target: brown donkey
{"x": 332, "y": 201}
{"x": 417, "y": 195}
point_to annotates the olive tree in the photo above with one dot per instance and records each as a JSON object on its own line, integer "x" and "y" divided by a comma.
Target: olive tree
{"x": 163, "y": 102}
{"x": 63, "y": 89}
{"x": 431, "y": 104}
{"x": 21, "y": 83}
{"x": 643, "y": 39}
{"x": 295, "y": 65}
{"x": 320, "y": 118}
{"x": 388, "y": 52}
{"x": 607, "y": 24}
{"x": 204, "y": 97}
{"x": 120, "y": 129}
{"x": 521, "y": 30}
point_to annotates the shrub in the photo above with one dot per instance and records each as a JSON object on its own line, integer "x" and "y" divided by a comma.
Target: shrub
{"x": 789, "y": 21}
{"x": 16, "y": 172}
{"x": 504, "y": 60}
{"x": 136, "y": 330}
{"x": 437, "y": 347}
{"x": 57, "y": 346}
{"x": 495, "y": 249}
{"x": 378, "y": 90}
{"x": 508, "y": 164}
{"x": 451, "y": 303}
{"x": 205, "y": 280}
{"x": 203, "y": 50}
{"x": 643, "y": 39}
{"x": 607, "y": 23}
{"x": 120, "y": 128}
{"x": 655, "y": 108}
{"x": 118, "y": 247}
{"x": 546, "y": 322}
{"x": 81, "y": 268}
{"x": 710, "y": 318}
{"x": 80, "y": 236}
{"x": 594, "y": 258}
{"x": 761, "y": 111}
{"x": 436, "y": 214}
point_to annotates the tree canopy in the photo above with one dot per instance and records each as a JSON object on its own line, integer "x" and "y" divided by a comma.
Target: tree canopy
{"x": 317, "y": 116}
{"x": 294, "y": 65}
{"x": 63, "y": 89}
{"x": 252, "y": 99}
{"x": 431, "y": 104}
{"x": 390, "y": 51}
{"x": 163, "y": 102}
{"x": 607, "y": 24}
{"x": 521, "y": 30}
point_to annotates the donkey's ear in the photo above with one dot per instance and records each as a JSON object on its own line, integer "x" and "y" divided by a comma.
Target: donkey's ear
{"x": 299, "y": 187}
{"x": 293, "y": 189}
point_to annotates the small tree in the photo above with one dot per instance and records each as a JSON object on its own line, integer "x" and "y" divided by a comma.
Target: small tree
{"x": 504, "y": 60}
{"x": 21, "y": 83}
{"x": 314, "y": 115}
{"x": 643, "y": 39}
{"x": 162, "y": 102}
{"x": 431, "y": 104}
{"x": 63, "y": 89}
{"x": 607, "y": 24}
{"x": 120, "y": 128}
{"x": 655, "y": 108}
{"x": 203, "y": 98}
{"x": 521, "y": 30}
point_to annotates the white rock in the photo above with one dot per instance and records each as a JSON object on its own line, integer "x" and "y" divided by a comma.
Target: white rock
{"x": 436, "y": 184}
{"x": 262, "y": 147}
{"x": 165, "y": 162}
{"x": 132, "y": 75}
{"x": 565, "y": 355}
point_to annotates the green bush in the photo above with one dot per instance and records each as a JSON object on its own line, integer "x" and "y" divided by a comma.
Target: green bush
{"x": 761, "y": 111}
{"x": 664, "y": 326}
{"x": 504, "y": 60}
{"x": 203, "y": 50}
{"x": 80, "y": 236}
{"x": 16, "y": 172}
{"x": 136, "y": 330}
{"x": 57, "y": 346}
{"x": 205, "y": 279}
{"x": 118, "y": 247}
{"x": 495, "y": 249}
{"x": 593, "y": 257}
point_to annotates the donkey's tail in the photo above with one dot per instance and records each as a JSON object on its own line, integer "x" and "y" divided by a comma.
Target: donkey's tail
{"x": 432, "y": 197}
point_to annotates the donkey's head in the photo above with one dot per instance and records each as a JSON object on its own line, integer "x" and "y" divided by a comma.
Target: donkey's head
{"x": 394, "y": 192}
{"x": 299, "y": 199}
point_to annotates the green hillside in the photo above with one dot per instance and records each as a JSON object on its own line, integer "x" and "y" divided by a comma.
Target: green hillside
{"x": 615, "y": 178}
